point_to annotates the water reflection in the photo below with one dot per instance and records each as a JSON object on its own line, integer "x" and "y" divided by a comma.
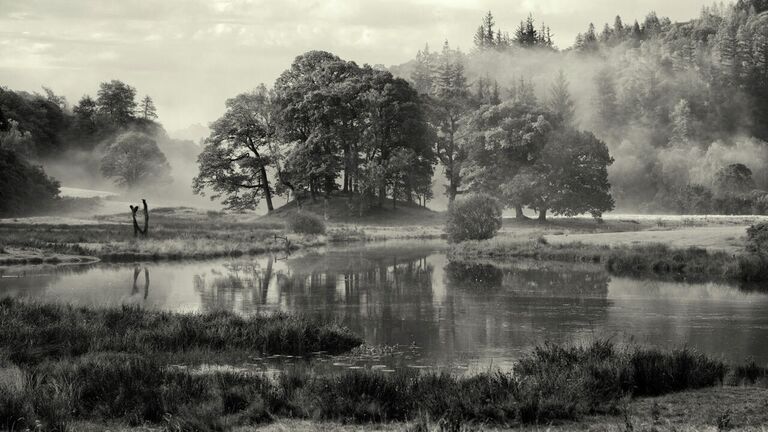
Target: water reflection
{"x": 407, "y": 294}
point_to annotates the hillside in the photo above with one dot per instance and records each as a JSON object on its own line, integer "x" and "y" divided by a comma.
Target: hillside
{"x": 339, "y": 208}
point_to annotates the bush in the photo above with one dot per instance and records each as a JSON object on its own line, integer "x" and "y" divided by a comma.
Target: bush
{"x": 306, "y": 223}
{"x": 477, "y": 217}
{"x": 757, "y": 239}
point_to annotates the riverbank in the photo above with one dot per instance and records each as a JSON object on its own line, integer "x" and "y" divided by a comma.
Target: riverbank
{"x": 646, "y": 260}
{"x": 554, "y": 384}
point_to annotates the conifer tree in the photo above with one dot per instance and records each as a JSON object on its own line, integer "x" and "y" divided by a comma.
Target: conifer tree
{"x": 560, "y": 102}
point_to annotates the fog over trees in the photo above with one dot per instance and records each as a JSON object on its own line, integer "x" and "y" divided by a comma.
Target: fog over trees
{"x": 642, "y": 115}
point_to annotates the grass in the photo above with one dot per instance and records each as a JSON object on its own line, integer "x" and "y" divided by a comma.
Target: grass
{"x": 552, "y": 383}
{"x": 33, "y": 333}
{"x": 694, "y": 264}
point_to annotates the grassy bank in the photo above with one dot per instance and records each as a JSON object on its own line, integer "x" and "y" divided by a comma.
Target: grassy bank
{"x": 552, "y": 383}
{"x": 34, "y": 333}
{"x": 694, "y": 264}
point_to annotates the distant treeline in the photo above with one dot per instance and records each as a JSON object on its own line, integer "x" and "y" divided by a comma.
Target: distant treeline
{"x": 677, "y": 103}
{"x": 114, "y": 136}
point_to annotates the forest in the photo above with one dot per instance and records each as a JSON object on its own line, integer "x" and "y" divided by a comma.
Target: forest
{"x": 649, "y": 116}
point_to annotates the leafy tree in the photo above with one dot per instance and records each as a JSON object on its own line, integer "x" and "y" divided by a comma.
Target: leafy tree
{"x": 560, "y": 102}
{"x": 116, "y": 102}
{"x": 24, "y": 188}
{"x": 133, "y": 160}
{"x": 85, "y": 115}
{"x": 316, "y": 97}
{"x": 734, "y": 179}
{"x": 16, "y": 140}
{"x": 147, "y": 110}
{"x": 502, "y": 140}
{"x": 239, "y": 150}
{"x": 570, "y": 176}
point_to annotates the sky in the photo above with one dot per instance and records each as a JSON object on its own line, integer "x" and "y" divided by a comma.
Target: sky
{"x": 191, "y": 55}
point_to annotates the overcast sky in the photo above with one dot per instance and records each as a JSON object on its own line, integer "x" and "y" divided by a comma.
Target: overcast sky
{"x": 190, "y": 55}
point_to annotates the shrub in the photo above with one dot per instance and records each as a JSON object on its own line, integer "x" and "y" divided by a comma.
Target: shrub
{"x": 306, "y": 223}
{"x": 477, "y": 217}
{"x": 757, "y": 239}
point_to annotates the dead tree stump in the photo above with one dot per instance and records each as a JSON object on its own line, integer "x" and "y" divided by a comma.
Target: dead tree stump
{"x": 136, "y": 228}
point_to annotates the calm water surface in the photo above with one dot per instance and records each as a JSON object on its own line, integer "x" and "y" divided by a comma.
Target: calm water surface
{"x": 437, "y": 313}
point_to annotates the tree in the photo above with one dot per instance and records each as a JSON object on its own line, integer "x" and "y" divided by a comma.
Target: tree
{"x": 502, "y": 140}
{"x": 560, "y": 102}
{"x": 147, "y": 110}
{"x": 450, "y": 101}
{"x": 133, "y": 160}
{"x": 681, "y": 123}
{"x": 570, "y": 176}
{"x": 85, "y": 115}
{"x": 116, "y": 102}
{"x": 733, "y": 179}
{"x": 239, "y": 150}
{"x": 317, "y": 104}
{"x": 16, "y": 140}
{"x": 24, "y": 188}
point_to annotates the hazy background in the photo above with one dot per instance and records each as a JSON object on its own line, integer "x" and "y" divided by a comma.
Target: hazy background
{"x": 191, "y": 55}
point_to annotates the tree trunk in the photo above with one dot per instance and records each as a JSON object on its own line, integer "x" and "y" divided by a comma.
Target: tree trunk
{"x": 519, "y": 212}
{"x": 146, "y": 218}
{"x": 267, "y": 192}
{"x": 543, "y": 215}
{"x": 394, "y": 197}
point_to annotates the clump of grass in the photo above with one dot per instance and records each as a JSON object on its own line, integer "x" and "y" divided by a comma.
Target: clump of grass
{"x": 32, "y": 333}
{"x": 553, "y": 382}
{"x": 305, "y": 223}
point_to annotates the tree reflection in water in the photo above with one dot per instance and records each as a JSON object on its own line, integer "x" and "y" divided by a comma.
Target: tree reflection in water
{"x": 134, "y": 287}
{"x": 393, "y": 297}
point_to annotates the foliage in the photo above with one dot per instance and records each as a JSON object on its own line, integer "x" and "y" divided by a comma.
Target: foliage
{"x": 238, "y": 151}
{"x": 305, "y": 223}
{"x": 757, "y": 239}
{"x": 569, "y": 177}
{"x": 116, "y": 102}
{"x": 476, "y": 217}
{"x": 360, "y": 123}
{"x": 503, "y": 140}
{"x": 734, "y": 179}
{"x": 24, "y": 188}
{"x": 133, "y": 160}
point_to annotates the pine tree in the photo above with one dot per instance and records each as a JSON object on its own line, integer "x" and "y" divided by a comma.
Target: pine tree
{"x": 681, "y": 123}
{"x": 560, "y": 102}
{"x": 618, "y": 27}
{"x": 422, "y": 73}
{"x": 480, "y": 38}
{"x": 147, "y": 109}
{"x": 526, "y": 93}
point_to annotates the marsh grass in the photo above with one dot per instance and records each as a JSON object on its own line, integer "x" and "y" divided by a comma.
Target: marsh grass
{"x": 693, "y": 264}
{"x": 554, "y": 382}
{"x": 32, "y": 333}
{"x": 169, "y": 239}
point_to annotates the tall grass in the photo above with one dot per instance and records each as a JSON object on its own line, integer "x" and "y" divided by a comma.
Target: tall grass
{"x": 553, "y": 382}
{"x": 32, "y": 333}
